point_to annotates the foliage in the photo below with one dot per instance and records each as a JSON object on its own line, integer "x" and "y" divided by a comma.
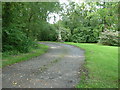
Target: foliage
{"x": 48, "y": 33}
{"x": 11, "y": 59}
{"x": 24, "y": 23}
{"x": 109, "y": 38}
{"x": 17, "y": 40}
{"x": 86, "y": 21}
{"x": 85, "y": 35}
{"x": 65, "y": 34}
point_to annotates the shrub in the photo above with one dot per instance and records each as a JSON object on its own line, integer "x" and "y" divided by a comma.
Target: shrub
{"x": 65, "y": 34}
{"x": 77, "y": 38}
{"x": 15, "y": 39}
{"x": 109, "y": 38}
{"x": 87, "y": 35}
{"x": 48, "y": 33}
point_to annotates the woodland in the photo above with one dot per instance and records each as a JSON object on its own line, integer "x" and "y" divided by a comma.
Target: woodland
{"x": 25, "y": 23}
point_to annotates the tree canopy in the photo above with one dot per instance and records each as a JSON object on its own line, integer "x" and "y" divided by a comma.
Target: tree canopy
{"x": 27, "y": 22}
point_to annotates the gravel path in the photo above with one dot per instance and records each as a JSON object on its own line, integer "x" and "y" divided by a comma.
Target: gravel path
{"x": 58, "y": 68}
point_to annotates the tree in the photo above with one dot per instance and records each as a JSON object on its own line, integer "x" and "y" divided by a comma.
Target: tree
{"x": 27, "y": 20}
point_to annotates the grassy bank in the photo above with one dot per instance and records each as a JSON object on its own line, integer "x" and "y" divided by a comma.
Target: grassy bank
{"x": 11, "y": 59}
{"x": 102, "y": 65}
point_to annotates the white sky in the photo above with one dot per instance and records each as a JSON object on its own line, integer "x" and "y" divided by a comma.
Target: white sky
{"x": 51, "y": 15}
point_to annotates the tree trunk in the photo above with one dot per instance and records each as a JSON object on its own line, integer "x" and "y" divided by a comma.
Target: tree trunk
{"x": 59, "y": 35}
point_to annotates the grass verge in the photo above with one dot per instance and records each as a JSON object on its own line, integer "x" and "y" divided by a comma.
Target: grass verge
{"x": 102, "y": 65}
{"x": 11, "y": 59}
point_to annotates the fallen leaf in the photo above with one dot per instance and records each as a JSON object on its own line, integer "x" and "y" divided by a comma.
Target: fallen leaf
{"x": 14, "y": 83}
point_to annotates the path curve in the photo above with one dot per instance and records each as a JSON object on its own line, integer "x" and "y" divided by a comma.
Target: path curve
{"x": 58, "y": 68}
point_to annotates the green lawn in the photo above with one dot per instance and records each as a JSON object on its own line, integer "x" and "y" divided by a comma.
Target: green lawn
{"x": 102, "y": 65}
{"x": 11, "y": 59}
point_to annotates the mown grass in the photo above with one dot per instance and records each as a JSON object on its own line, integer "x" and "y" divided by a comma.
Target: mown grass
{"x": 102, "y": 65}
{"x": 11, "y": 59}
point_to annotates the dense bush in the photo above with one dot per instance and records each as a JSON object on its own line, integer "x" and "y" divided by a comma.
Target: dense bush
{"x": 78, "y": 38}
{"x": 109, "y": 38}
{"x": 23, "y": 23}
{"x": 48, "y": 33}
{"x": 87, "y": 35}
{"x": 15, "y": 39}
{"x": 65, "y": 34}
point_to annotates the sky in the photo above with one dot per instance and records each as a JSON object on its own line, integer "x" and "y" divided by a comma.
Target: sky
{"x": 51, "y": 15}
